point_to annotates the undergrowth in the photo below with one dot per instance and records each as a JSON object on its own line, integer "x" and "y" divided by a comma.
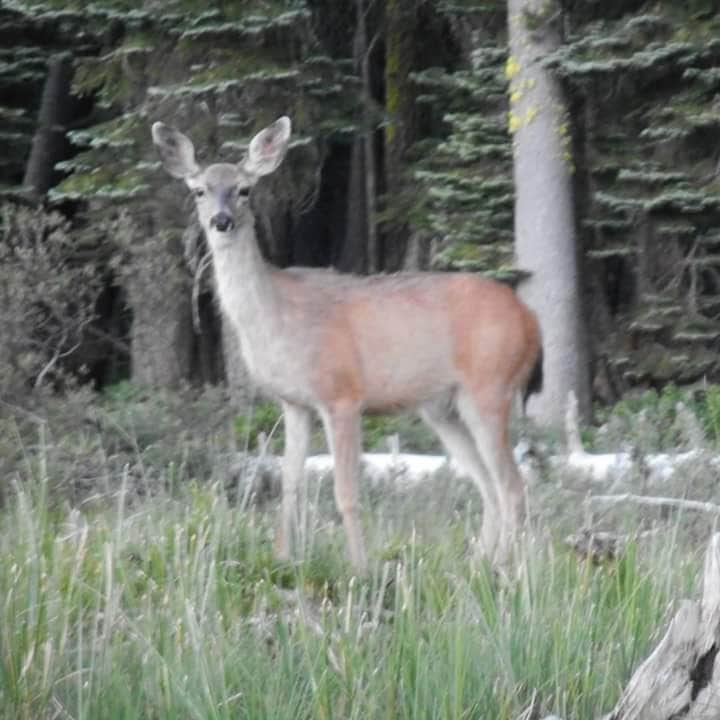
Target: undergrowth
{"x": 154, "y": 593}
{"x": 175, "y": 607}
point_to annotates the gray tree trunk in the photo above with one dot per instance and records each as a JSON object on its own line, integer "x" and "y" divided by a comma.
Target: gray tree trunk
{"x": 545, "y": 238}
{"x": 49, "y": 139}
{"x": 160, "y": 296}
{"x": 360, "y": 247}
{"x": 160, "y": 338}
{"x": 402, "y": 45}
{"x": 353, "y": 254}
{"x": 363, "y": 51}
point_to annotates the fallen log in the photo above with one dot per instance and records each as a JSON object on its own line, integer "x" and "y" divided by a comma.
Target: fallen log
{"x": 618, "y": 466}
{"x": 681, "y": 677}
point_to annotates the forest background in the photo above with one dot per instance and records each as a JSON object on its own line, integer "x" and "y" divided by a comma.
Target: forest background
{"x": 402, "y": 159}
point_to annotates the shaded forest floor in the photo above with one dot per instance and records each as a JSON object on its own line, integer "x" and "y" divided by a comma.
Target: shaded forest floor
{"x": 137, "y": 577}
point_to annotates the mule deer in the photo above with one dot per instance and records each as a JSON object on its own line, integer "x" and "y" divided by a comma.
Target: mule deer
{"x": 455, "y": 347}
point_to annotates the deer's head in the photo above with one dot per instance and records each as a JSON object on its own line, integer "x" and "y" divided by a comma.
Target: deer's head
{"x": 222, "y": 190}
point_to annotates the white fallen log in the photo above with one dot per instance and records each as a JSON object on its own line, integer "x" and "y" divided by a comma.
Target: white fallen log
{"x": 597, "y": 468}
{"x": 376, "y": 466}
{"x": 608, "y": 467}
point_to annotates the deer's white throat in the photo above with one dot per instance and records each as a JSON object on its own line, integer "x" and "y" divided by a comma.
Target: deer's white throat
{"x": 246, "y": 292}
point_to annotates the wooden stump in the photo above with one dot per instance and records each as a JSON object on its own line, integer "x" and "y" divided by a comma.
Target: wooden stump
{"x": 681, "y": 678}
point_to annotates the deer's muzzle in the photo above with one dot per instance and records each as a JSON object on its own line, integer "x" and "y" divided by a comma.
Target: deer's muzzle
{"x": 222, "y": 222}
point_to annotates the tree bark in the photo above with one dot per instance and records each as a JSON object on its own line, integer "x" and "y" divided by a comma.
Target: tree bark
{"x": 360, "y": 247}
{"x": 161, "y": 338}
{"x": 49, "y": 140}
{"x": 160, "y": 296}
{"x": 400, "y": 38}
{"x": 681, "y": 678}
{"x": 545, "y": 234}
{"x": 363, "y": 52}
{"x": 353, "y": 256}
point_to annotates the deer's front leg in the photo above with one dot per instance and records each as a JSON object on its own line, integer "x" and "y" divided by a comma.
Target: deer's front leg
{"x": 342, "y": 427}
{"x": 297, "y": 422}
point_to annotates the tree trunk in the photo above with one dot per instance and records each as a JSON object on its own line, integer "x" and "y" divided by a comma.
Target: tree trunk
{"x": 353, "y": 256}
{"x": 49, "y": 140}
{"x": 363, "y": 51}
{"x": 160, "y": 297}
{"x": 400, "y": 34}
{"x": 360, "y": 247}
{"x": 161, "y": 337}
{"x": 544, "y": 210}
{"x": 417, "y": 253}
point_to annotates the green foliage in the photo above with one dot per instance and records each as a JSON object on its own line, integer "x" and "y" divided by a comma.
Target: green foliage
{"x": 656, "y": 431}
{"x": 165, "y": 598}
{"x": 711, "y": 416}
{"x": 646, "y": 83}
{"x": 414, "y": 435}
{"x": 651, "y": 421}
{"x": 122, "y": 393}
{"x": 642, "y": 81}
{"x": 163, "y": 439}
{"x": 187, "y": 52}
{"x": 157, "y": 440}
{"x": 264, "y": 419}
{"x": 461, "y": 182}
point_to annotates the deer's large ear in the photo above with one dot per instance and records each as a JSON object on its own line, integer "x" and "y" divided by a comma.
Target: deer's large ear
{"x": 177, "y": 151}
{"x": 267, "y": 149}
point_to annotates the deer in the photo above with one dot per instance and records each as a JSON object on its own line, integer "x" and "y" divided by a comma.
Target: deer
{"x": 455, "y": 347}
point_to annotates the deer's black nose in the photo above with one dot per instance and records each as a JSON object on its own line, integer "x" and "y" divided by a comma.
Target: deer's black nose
{"x": 222, "y": 222}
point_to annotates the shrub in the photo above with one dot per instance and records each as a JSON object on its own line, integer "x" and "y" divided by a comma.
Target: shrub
{"x": 650, "y": 421}
{"x": 47, "y": 298}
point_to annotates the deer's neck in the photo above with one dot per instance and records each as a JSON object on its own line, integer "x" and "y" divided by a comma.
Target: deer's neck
{"x": 244, "y": 283}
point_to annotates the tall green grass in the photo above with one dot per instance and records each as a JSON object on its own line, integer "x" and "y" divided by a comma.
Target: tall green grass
{"x": 174, "y": 608}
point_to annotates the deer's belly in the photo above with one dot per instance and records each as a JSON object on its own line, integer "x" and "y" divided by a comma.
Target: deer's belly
{"x": 391, "y": 383}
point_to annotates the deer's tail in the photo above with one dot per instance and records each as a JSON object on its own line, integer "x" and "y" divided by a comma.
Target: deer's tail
{"x": 535, "y": 381}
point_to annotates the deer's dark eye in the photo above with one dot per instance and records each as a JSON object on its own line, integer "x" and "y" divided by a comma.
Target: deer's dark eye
{"x": 243, "y": 192}
{"x": 198, "y": 192}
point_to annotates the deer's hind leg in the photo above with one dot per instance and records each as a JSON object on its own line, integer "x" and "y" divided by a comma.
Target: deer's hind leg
{"x": 487, "y": 416}
{"x": 459, "y": 443}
